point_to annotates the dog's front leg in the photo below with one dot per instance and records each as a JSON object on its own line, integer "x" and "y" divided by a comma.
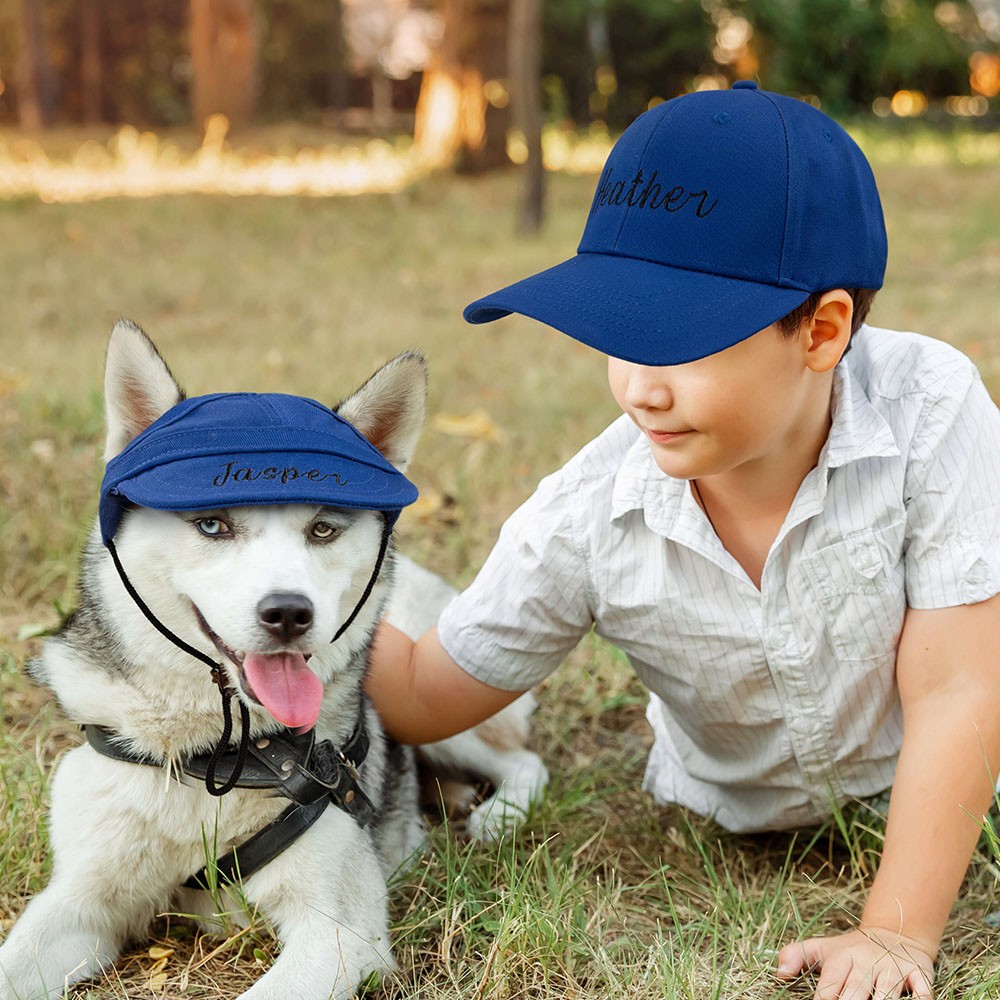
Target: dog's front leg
{"x": 45, "y": 952}
{"x": 107, "y": 879}
{"x": 326, "y": 897}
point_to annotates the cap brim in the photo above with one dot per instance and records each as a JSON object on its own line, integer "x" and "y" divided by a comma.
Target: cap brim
{"x": 639, "y": 311}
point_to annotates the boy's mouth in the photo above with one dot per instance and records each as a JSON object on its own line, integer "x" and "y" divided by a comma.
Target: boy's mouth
{"x": 665, "y": 437}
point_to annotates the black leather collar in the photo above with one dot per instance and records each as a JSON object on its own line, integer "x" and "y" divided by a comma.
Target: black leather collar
{"x": 311, "y": 774}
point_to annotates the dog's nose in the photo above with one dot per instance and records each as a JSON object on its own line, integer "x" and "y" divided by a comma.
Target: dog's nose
{"x": 285, "y": 616}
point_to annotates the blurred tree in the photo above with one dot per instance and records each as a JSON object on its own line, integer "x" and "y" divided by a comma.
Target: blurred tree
{"x": 388, "y": 40}
{"x": 36, "y": 94}
{"x": 91, "y": 67}
{"x": 337, "y": 89}
{"x": 301, "y": 43}
{"x": 851, "y": 53}
{"x": 525, "y": 53}
{"x": 607, "y": 59}
{"x": 223, "y": 60}
{"x": 463, "y": 109}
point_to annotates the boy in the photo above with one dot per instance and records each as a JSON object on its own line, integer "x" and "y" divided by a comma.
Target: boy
{"x": 797, "y": 547}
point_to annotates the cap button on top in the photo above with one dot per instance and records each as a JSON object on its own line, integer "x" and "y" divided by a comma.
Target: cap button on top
{"x": 745, "y": 85}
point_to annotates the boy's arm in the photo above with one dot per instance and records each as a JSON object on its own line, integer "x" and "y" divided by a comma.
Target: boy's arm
{"x": 948, "y": 672}
{"x": 421, "y": 693}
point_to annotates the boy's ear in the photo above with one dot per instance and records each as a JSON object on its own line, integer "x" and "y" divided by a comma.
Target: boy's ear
{"x": 827, "y": 332}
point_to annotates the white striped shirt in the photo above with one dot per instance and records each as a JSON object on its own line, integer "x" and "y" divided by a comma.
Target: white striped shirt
{"x": 766, "y": 705}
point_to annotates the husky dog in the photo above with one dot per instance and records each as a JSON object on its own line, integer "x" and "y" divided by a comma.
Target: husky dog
{"x": 319, "y": 805}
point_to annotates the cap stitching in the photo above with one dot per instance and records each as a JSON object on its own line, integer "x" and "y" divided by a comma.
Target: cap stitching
{"x": 788, "y": 180}
{"x": 642, "y": 157}
{"x": 690, "y": 266}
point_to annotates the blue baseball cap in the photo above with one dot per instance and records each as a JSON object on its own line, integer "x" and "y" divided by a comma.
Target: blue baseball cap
{"x": 235, "y": 449}
{"x": 716, "y": 215}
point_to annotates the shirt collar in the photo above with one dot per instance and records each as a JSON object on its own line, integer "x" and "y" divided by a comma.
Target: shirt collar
{"x": 857, "y": 431}
{"x": 639, "y": 484}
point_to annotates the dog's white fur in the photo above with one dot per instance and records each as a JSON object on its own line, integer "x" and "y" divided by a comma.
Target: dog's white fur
{"x": 126, "y": 836}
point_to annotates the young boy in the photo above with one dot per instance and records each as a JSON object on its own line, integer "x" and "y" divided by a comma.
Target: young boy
{"x": 797, "y": 546}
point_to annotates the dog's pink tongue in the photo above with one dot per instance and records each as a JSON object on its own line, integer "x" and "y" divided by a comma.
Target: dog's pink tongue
{"x": 286, "y": 687}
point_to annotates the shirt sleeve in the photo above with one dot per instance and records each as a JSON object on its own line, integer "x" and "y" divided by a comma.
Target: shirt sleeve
{"x": 528, "y": 607}
{"x": 953, "y": 497}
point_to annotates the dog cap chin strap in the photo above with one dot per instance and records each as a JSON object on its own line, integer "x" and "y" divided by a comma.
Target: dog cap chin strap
{"x": 218, "y": 673}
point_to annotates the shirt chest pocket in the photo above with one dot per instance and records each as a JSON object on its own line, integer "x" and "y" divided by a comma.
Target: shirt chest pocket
{"x": 857, "y": 584}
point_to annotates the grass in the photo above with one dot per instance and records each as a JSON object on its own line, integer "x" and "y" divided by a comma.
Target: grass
{"x": 604, "y": 894}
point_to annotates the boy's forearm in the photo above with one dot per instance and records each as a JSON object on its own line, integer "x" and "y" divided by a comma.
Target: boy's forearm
{"x": 421, "y": 694}
{"x": 389, "y": 680}
{"x": 942, "y": 789}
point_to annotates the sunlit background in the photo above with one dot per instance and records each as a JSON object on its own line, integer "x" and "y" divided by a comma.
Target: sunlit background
{"x": 123, "y": 99}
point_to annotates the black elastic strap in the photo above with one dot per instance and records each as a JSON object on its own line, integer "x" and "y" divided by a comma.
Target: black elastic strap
{"x": 217, "y": 675}
{"x": 383, "y": 548}
{"x": 153, "y": 620}
{"x": 220, "y": 748}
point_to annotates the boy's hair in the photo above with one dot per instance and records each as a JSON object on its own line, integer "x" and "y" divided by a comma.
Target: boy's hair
{"x": 861, "y": 297}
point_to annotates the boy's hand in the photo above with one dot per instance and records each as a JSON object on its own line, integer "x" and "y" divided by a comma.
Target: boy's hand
{"x": 861, "y": 965}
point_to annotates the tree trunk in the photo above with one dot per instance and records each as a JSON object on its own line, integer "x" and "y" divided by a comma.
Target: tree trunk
{"x": 224, "y": 60}
{"x": 456, "y": 125}
{"x": 337, "y": 77}
{"x": 381, "y": 100}
{"x": 90, "y": 60}
{"x": 525, "y": 48}
{"x": 36, "y": 84}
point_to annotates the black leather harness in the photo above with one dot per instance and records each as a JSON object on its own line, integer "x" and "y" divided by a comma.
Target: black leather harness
{"x": 311, "y": 774}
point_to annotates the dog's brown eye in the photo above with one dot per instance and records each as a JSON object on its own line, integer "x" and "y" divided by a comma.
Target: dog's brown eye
{"x": 324, "y": 532}
{"x": 213, "y": 527}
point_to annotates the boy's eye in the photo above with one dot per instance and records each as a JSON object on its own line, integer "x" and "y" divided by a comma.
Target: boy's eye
{"x": 323, "y": 531}
{"x": 213, "y": 527}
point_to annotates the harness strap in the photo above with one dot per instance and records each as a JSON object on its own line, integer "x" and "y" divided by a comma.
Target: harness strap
{"x": 312, "y": 774}
{"x": 241, "y": 862}
{"x": 294, "y": 767}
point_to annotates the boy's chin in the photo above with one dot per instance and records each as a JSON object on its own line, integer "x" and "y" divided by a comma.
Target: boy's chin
{"x": 678, "y": 466}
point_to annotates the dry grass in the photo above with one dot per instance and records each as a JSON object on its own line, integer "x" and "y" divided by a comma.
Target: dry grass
{"x": 604, "y": 894}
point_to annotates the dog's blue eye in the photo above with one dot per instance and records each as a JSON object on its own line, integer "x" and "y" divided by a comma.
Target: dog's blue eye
{"x": 212, "y": 526}
{"x": 324, "y": 532}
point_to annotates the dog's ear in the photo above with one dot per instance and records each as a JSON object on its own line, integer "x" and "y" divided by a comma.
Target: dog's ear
{"x": 389, "y": 408}
{"x": 138, "y": 386}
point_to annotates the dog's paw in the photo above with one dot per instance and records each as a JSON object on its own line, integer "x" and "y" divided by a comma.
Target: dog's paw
{"x": 506, "y": 810}
{"x": 494, "y": 819}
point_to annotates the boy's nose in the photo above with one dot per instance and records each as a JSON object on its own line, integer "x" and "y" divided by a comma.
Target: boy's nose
{"x": 648, "y": 389}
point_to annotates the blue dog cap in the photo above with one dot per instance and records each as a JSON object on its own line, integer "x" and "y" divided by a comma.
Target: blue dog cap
{"x": 234, "y": 449}
{"x": 717, "y": 214}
